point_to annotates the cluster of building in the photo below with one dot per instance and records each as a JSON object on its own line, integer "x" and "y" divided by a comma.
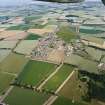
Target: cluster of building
{"x": 46, "y": 45}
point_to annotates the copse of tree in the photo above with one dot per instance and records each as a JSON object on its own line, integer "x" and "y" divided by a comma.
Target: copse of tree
{"x": 96, "y": 86}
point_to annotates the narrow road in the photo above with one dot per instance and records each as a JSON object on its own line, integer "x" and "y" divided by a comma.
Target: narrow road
{"x": 6, "y": 94}
{"x": 51, "y": 100}
{"x": 58, "y": 68}
{"x": 65, "y": 81}
{"x": 9, "y": 73}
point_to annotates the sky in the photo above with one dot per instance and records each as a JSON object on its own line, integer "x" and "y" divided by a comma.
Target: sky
{"x": 13, "y": 1}
{"x": 10, "y": 2}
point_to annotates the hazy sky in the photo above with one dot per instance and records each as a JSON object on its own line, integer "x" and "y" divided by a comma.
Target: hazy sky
{"x": 5, "y": 2}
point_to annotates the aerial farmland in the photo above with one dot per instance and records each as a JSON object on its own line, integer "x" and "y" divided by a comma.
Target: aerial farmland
{"x": 52, "y": 54}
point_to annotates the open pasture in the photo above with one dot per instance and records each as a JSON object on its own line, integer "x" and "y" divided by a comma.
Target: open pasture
{"x": 89, "y": 30}
{"x": 14, "y": 63}
{"x": 35, "y": 72}
{"x": 5, "y": 80}
{"x": 21, "y": 96}
{"x": 4, "y": 54}
{"x": 66, "y": 34}
{"x": 11, "y": 33}
{"x": 56, "y": 56}
{"x": 26, "y": 46}
{"x": 32, "y": 37}
{"x": 7, "y": 44}
{"x": 82, "y": 63}
{"x": 51, "y": 27}
{"x": 40, "y": 32}
{"x": 19, "y": 27}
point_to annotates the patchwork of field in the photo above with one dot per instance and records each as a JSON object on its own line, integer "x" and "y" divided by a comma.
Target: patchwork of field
{"x": 17, "y": 20}
{"x": 14, "y": 63}
{"x": 74, "y": 89}
{"x": 7, "y": 25}
{"x": 91, "y": 31}
{"x": 19, "y": 27}
{"x": 26, "y": 26}
{"x": 12, "y": 35}
{"x": 56, "y": 55}
{"x": 47, "y": 36}
{"x": 20, "y": 96}
{"x": 7, "y": 44}
{"x": 5, "y": 80}
{"x": 18, "y": 37}
{"x": 51, "y": 27}
{"x": 40, "y": 32}
{"x": 37, "y": 24}
{"x": 26, "y": 46}
{"x": 73, "y": 59}
{"x": 95, "y": 20}
{"x": 94, "y": 53}
{"x": 82, "y": 63}
{"x": 89, "y": 66}
{"x": 4, "y": 54}
{"x": 93, "y": 39}
{"x": 59, "y": 78}
{"x": 35, "y": 72}
{"x": 95, "y": 26}
{"x": 34, "y": 17}
{"x": 66, "y": 34}
{"x": 87, "y": 27}
{"x": 32, "y": 37}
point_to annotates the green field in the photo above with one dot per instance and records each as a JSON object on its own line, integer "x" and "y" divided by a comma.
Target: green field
{"x": 73, "y": 59}
{"x": 95, "y": 25}
{"x": 94, "y": 53}
{"x": 91, "y": 31}
{"x": 93, "y": 39}
{"x": 65, "y": 101}
{"x": 82, "y": 63}
{"x": 35, "y": 72}
{"x": 25, "y": 47}
{"x": 25, "y": 26}
{"x": 89, "y": 66}
{"x": 19, "y": 27}
{"x": 5, "y": 80}
{"x": 32, "y": 36}
{"x": 14, "y": 63}
{"x": 4, "y": 54}
{"x": 20, "y": 96}
{"x": 59, "y": 78}
{"x": 66, "y": 33}
{"x": 30, "y": 18}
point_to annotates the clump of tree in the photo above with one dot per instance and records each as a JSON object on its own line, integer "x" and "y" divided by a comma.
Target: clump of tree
{"x": 96, "y": 86}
